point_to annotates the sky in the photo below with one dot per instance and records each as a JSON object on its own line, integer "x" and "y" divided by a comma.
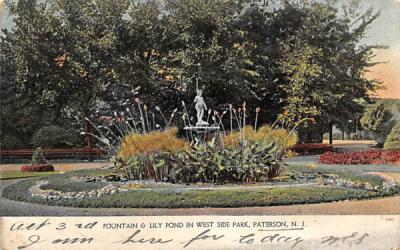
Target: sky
{"x": 385, "y": 31}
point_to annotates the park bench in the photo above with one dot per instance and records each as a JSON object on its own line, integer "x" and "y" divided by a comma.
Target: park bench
{"x": 311, "y": 148}
{"x": 54, "y": 154}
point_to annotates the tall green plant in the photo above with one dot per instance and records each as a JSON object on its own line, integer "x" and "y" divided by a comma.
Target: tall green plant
{"x": 207, "y": 162}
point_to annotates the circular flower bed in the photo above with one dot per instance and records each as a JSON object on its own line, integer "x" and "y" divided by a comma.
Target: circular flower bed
{"x": 103, "y": 189}
{"x": 114, "y": 185}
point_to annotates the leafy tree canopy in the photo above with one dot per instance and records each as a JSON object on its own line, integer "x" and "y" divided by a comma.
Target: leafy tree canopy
{"x": 294, "y": 59}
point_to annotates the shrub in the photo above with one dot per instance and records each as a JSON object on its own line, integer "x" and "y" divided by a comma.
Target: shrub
{"x": 140, "y": 155}
{"x": 38, "y": 157}
{"x": 38, "y": 168}
{"x": 54, "y": 137}
{"x": 279, "y": 137}
{"x": 154, "y": 142}
{"x": 366, "y": 157}
{"x": 393, "y": 140}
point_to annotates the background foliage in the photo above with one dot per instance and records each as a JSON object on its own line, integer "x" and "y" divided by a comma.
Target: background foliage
{"x": 66, "y": 60}
{"x": 393, "y": 140}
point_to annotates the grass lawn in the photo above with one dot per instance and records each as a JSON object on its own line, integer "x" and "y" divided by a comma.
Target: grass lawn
{"x": 351, "y": 174}
{"x": 16, "y": 174}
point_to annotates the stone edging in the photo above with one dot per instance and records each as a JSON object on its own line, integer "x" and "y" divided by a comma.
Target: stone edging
{"x": 52, "y": 194}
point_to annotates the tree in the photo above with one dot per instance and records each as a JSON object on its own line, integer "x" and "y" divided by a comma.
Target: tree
{"x": 19, "y": 116}
{"x": 378, "y": 120}
{"x": 337, "y": 53}
{"x": 297, "y": 60}
{"x": 374, "y": 117}
{"x": 392, "y": 141}
{"x": 202, "y": 42}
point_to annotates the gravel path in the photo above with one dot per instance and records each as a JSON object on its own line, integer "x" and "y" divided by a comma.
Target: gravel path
{"x": 351, "y": 146}
{"x": 354, "y": 168}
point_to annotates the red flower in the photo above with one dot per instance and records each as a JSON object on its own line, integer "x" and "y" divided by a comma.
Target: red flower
{"x": 120, "y": 119}
{"x": 38, "y": 168}
{"x": 366, "y": 157}
{"x": 103, "y": 117}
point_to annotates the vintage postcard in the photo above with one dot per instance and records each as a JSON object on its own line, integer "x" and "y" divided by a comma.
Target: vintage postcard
{"x": 200, "y": 124}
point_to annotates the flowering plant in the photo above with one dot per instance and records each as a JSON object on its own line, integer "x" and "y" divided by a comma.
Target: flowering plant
{"x": 38, "y": 168}
{"x": 366, "y": 157}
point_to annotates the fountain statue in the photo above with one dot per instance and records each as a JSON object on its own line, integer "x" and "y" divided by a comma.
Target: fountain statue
{"x": 200, "y": 107}
{"x": 202, "y": 130}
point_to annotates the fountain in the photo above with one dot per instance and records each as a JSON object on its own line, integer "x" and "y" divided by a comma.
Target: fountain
{"x": 202, "y": 127}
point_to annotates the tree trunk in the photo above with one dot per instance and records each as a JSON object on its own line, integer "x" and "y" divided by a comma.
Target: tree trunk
{"x": 343, "y": 131}
{"x": 331, "y": 133}
{"x": 88, "y": 138}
